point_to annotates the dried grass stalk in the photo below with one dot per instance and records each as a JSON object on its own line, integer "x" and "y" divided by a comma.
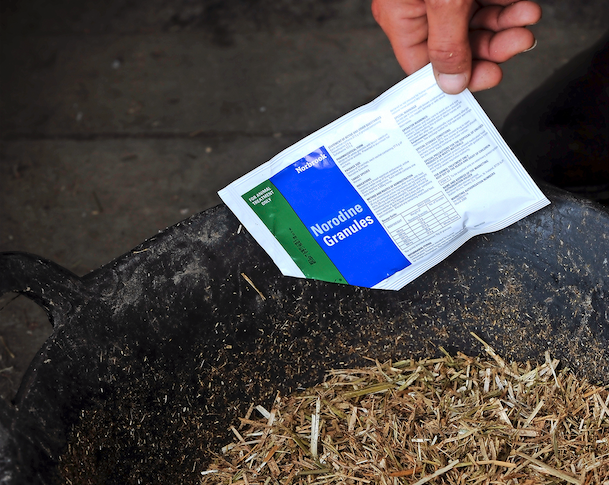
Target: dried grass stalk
{"x": 449, "y": 420}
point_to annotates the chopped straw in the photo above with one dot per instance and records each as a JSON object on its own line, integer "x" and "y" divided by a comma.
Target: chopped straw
{"x": 445, "y": 420}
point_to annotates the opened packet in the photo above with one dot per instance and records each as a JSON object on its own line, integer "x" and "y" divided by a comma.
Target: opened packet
{"x": 384, "y": 193}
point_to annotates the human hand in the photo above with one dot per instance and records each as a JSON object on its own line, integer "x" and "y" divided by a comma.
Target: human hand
{"x": 465, "y": 40}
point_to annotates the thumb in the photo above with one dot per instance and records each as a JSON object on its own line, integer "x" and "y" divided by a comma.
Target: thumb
{"x": 448, "y": 43}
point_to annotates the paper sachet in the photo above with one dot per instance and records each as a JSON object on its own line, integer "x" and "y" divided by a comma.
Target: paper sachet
{"x": 384, "y": 193}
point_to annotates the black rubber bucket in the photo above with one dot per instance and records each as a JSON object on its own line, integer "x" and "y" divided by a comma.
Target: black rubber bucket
{"x": 170, "y": 343}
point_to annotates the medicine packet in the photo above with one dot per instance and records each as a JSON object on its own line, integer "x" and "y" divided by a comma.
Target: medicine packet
{"x": 384, "y": 193}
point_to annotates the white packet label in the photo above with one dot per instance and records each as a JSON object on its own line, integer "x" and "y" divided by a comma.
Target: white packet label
{"x": 384, "y": 193}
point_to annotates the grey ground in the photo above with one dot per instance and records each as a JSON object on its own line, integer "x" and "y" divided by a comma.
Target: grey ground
{"x": 120, "y": 118}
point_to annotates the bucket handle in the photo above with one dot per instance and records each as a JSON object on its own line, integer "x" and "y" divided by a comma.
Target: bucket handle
{"x": 49, "y": 285}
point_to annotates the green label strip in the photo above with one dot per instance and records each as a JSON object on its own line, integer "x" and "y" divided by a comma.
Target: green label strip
{"x": 277, "y": 214}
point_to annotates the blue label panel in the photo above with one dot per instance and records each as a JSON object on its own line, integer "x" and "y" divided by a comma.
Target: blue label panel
{"x": 339, "y": 219}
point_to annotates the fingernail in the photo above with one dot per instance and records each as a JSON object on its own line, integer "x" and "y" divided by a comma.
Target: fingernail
{"x": 532, "y": 47}
{"x": 452, "y": 83}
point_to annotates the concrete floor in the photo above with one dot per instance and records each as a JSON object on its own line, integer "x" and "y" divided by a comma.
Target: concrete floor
{"x": 120, "y": 118}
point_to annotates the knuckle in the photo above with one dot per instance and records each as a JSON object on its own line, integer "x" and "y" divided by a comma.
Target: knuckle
{"x": 376, "y": 9}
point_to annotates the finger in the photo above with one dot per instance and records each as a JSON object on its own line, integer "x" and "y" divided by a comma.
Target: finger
{"x": 412, "y": 58}
{"x": 497, "y": 18}
{"x": 502, "y": 3}
{"x": 448, "y": 43}
{"x": 405, "y": 24}
{"x": 500, "y": 46}
{"x": 485, "y": 75}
